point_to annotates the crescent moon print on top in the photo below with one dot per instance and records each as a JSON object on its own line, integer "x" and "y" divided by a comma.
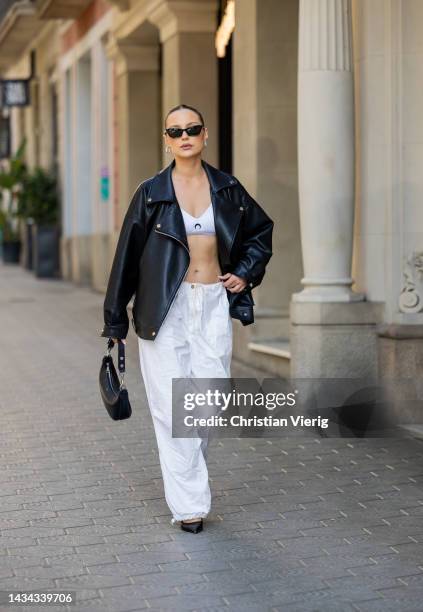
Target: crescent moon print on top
{"x": 193, "y": 225}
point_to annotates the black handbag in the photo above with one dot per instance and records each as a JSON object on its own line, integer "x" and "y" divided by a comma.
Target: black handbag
{"x": 113, "y": 391}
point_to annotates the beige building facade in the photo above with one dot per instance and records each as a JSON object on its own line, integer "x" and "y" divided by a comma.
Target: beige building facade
{"x": 315, "y": 108}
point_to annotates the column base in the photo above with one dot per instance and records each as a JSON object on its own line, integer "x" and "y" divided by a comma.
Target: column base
{"x": 328, "y": 293}
{"x": 334, "y": 340}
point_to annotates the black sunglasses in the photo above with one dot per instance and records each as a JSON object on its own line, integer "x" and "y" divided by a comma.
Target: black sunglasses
{"x": 192, "y": 130}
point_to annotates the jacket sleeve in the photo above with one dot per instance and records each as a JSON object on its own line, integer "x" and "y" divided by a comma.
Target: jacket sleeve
{"x": 256, "y": 248}
{"x": 124, "y": 272}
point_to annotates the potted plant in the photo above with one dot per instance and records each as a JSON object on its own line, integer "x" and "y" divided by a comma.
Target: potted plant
{"x": 41, "y": 204}
{"x": 24, "y": 213}
{"x": 11, "y": 244}
{"x": 10, "y": 186}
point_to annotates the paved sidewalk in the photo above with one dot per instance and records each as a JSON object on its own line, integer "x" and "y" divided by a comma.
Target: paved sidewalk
{"x": 296, "y": 525}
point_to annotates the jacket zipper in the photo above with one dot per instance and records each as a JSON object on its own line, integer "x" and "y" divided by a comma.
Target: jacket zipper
{"x": 177, "y": 239}
{"x": 182, "y": 277}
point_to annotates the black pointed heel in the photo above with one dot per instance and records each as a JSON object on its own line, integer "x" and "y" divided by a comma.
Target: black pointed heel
{"x": 194, "y": 527}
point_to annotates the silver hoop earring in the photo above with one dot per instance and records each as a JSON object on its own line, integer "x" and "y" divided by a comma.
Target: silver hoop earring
{"x": 205, "y": 143}
{"x": 168, "y": 149}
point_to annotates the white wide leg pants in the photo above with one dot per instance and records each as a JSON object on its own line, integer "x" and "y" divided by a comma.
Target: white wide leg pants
{"x": 195, "y": 341}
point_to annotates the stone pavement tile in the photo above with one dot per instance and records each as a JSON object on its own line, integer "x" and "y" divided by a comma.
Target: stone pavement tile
{"x": 330, "y": 541}
{"x": 122, "y": 568}
{"x": 360, "y": 514}
{"x": 382, "y": 538}
{"x": 195, "y": 566}
{"x": 403, "y": 596}
{"x": 144, "y": 512}
{"x": 19, "y": 561}
{"x": 341, "y": 560}
{"x": 258, "y": 515}
{"x": 386, "y": 605}
{"x": 318, "y": 512}
{"x": 403, "y": 534}
{"x": 236, "y": 497}
{"x": 133, "y": 593}
{"x": 342, "y": 528}
{"x": 395, "y": 566}
{"x": 289, "y": 583}
{"x": 182, "y": 602}
{"x": 411, "y": 524}
{"x": 320, "y": 571}
{"x": 129, "y": 520}
{"x": 39, "y": 571}
{"x": 180, "y": 545}
{"x": 137, "y": 538}
{"x": 27, "y": 583}
{"x": 331, "y": 605}
{"x": 286, "y": 502}
{"x": 369, "y": 550}
{"x": 33, "y": 531}
{"x": 412, "y": 580}
{"x": 40, "y": 551}
{"x": 99, "y": 530}
{"x": 257, "y": 566}
{"x": 266, "y": 535}
{"x": 152, "y": 557}
{"x": 314, "y": 597}
{"x": 370, "y": 580}
{"x": 295, "y": 522}
{"x": 220, "y": 589}
{"x": 72, "y": 540}
{"x": 6, "y": 572}
{"x": 109, "y": 549}
{"x": 9, "y": 542}
{"x": 249, "y": 575}
{"x": 90, "y": 581}
{"x": 168, "y": 578}
{"x": 415, "y": 511}
{"x": 75, "y": 559}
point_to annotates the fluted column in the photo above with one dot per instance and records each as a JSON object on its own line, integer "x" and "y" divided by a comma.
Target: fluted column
{"x": 326, "y": 150}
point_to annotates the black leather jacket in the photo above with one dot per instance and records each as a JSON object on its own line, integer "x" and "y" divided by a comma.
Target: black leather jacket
{"x": 152, "y": 255}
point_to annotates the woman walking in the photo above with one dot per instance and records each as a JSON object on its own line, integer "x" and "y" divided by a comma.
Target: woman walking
{"x": 192, "y": 246}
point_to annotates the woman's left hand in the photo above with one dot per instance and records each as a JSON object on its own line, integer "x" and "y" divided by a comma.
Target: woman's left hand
{"x": 234, "y": 283}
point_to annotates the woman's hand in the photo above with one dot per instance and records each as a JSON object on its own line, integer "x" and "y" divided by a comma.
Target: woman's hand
{"x": 234, "y": 283}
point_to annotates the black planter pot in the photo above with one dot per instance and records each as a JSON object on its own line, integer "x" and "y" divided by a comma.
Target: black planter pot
{"x": 11, "y": 251}
{"x": 28, "y": 262}
{"x": 45, "y": 241}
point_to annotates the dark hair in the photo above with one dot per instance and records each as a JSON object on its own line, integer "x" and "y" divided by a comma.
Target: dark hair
{"x": 181, "y": 106}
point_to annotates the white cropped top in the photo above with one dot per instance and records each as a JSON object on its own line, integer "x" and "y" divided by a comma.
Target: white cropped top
{"x": 199, "y": 225}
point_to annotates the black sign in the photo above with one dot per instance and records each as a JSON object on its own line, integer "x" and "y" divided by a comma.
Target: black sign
{"x": 4, "y": 137}
{"x": 15, "y": 92}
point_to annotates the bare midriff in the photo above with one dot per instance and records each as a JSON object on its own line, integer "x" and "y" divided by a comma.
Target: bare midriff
{"x": 204, "y": 266}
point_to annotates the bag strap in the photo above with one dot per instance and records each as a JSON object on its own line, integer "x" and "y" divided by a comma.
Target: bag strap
{"x": 121, "y": 357}
{"x": 121, "y": 353}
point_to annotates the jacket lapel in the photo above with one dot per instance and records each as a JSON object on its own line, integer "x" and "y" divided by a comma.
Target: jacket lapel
{"x": 227, "y": 214}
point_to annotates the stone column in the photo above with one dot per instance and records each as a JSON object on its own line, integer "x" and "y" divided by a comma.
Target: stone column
{"x": 138, "y": 116}
{"x": 333, "y": 329}
{"x": 187, "y": 31}
{"x": 326, "y": 150}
